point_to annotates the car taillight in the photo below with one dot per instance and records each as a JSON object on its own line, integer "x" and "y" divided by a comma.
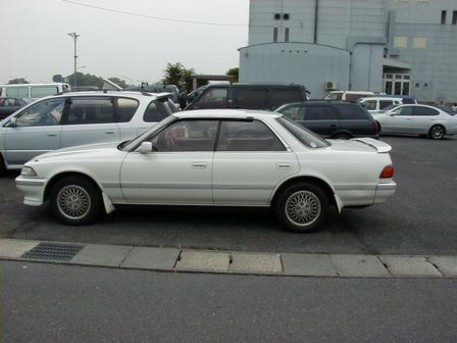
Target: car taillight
{"x": 387, "y": 172}
{"x": 375, "y": 126}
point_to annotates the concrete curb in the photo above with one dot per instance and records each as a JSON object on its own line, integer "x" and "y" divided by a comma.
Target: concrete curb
{"x": 230, "y": 262}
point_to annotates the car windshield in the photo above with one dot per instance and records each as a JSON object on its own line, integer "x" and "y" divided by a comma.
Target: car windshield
{"x": 134, "y": 143}
{"x": 305, "y": 136}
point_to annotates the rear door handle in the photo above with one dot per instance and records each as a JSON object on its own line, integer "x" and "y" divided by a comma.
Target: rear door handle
{"x": 109, "y": 132}
{"x": 52, "y": 134}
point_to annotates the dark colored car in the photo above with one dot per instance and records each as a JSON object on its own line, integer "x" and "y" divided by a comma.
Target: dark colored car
{"x": 11, "y": 105}
{"x": 332, "y": 119}
{"x": 247, "y": 96}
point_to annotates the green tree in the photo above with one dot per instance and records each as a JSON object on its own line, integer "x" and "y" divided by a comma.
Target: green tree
{"x": 118, "y": 81}
{"x": 234, "y": 73}
{"x": 85, "y": 80}
{"x": 177, "y": 74}
{"x": 58, "y": 78}
{"x": 17, "y": 81}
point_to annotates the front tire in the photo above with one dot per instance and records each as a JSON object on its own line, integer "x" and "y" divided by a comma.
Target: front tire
{"x": 437, "y": 132}
{"x": 302, "y": 207}
{"x": 75, "y": 201}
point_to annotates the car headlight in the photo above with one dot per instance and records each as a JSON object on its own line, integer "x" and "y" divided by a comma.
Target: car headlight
{"x": 28, "y": 171}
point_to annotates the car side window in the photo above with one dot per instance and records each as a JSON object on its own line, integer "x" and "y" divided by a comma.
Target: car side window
{"x": 216, "y": 95}
{"x": 320, "y": 113}
{"x": 187, "y": 135}
{"x": 154, "y": 113}
{"x": 296, "y": 113}
{"x": 371, "y": 104}
{"x": 405, "y": 111}
{"x": 126, "y": 109}
{"x": 44, "y": 113}
{"x": 91, "y": 111}
{"x": 424, "y": 111}
{"x": 251, "y": 98}
{"x": 351, "y": 112}
{"x": 385, "y": 103}
{"x": 247, "y": 136}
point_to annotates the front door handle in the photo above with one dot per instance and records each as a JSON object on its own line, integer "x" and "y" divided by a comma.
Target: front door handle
{"x": 199, "y": 165}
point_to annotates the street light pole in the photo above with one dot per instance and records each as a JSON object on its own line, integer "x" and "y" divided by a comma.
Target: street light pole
{"x": 75, "y": 36}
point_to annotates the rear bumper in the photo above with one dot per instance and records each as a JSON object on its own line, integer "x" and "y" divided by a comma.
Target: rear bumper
{"x": 384, "y": 191}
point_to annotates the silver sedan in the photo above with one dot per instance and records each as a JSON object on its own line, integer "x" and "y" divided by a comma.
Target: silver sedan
{"x": 416, "y": 119}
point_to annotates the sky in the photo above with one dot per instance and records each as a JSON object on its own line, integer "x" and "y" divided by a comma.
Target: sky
{"x": 135, "y": 46}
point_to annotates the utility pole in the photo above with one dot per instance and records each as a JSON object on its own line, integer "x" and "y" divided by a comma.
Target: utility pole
{"x": 75, "y": 36}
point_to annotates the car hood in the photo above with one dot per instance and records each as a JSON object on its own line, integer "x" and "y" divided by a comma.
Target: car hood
{"x": 79, "y": 150}
{"x": 360, "y": 144}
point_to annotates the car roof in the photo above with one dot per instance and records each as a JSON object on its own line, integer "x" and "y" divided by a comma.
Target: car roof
{"x": 380, "y": 98}
{"x": 250, "y": 85}
{"x": 226, "y": 113}
{"x": 133, "y": 94}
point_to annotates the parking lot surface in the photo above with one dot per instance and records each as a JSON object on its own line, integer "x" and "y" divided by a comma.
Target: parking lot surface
{"x": 420, "y": 219}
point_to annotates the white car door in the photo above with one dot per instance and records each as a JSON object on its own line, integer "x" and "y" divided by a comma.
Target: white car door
{"x": 34, "y": 131}
{"x": 178, "y": 171}
{"x": 89, "y": 120}
{"x": 249, "y": 163}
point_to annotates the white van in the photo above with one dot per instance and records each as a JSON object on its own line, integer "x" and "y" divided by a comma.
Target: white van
{"x": 348, "y": 95}
{"x": 33, "y": 90}
{"x": 375, "y": 104}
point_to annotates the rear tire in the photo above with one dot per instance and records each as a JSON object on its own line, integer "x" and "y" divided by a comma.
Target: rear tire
{"x": 75, "y": 201}
{"x": 437, "y": 132}
{"x": 302, "y": 207}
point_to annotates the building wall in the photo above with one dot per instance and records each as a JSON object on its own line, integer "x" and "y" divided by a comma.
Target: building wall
{"x": 355, "y": 26}
{"x": 307, "y": 64}
{"x": 408, "y": 31}
{"x": 430, "y": 46}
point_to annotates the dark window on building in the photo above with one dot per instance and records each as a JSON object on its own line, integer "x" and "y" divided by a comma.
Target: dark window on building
{"x": 443, "y": 17}
{"x": 275, "y": 35}
{"x": 454, "y": 17}
{"x": 286, "y": 35}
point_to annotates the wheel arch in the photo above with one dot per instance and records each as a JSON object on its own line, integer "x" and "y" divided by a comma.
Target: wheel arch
{"x": 311, "y": 179}
{"x": 56, "y": 178}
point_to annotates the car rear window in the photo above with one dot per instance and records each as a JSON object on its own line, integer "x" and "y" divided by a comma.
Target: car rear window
{"x": 305, "y": 136}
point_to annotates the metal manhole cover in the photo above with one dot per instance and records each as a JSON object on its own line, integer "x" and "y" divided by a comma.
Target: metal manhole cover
{"x": 53, "y": 251}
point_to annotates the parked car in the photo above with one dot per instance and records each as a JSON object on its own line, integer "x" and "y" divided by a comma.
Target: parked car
{"x": 376, "y": 104}
{"x": 417, "y": 120}
{"x": 332, "y": 119}
{"x": 11, "y": 105}
{"x": 247, "y": 96}
{"x": 77, "y": 118}
{"x": 214, "y": 158}
{"x": 348, "y": 95}
{"x": 172, "y": 89}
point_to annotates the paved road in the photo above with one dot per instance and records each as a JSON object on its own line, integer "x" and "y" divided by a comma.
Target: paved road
{"x": 420, "y": 219}
{"x": 55, "y": 303}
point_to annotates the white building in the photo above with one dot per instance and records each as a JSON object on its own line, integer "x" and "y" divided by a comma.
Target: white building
{"x": 404, "y": 47}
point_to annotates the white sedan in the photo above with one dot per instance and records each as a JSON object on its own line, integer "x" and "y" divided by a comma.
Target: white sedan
{"x": 413, "y": 119}
{"x": 215, "y": 158}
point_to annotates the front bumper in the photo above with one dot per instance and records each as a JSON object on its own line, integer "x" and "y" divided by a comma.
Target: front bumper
{"x": 33, "y": 189}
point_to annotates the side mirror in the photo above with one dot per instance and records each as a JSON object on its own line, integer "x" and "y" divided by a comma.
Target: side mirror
{"x": 145, "y": 148}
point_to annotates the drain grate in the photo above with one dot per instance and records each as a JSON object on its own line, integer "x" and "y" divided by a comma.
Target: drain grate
{"x": 53, "y": 251}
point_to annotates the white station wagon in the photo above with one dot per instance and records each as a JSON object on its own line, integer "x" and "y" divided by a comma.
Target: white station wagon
{"x": 215, "y": 158}
{"x": 71, "y": 119}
